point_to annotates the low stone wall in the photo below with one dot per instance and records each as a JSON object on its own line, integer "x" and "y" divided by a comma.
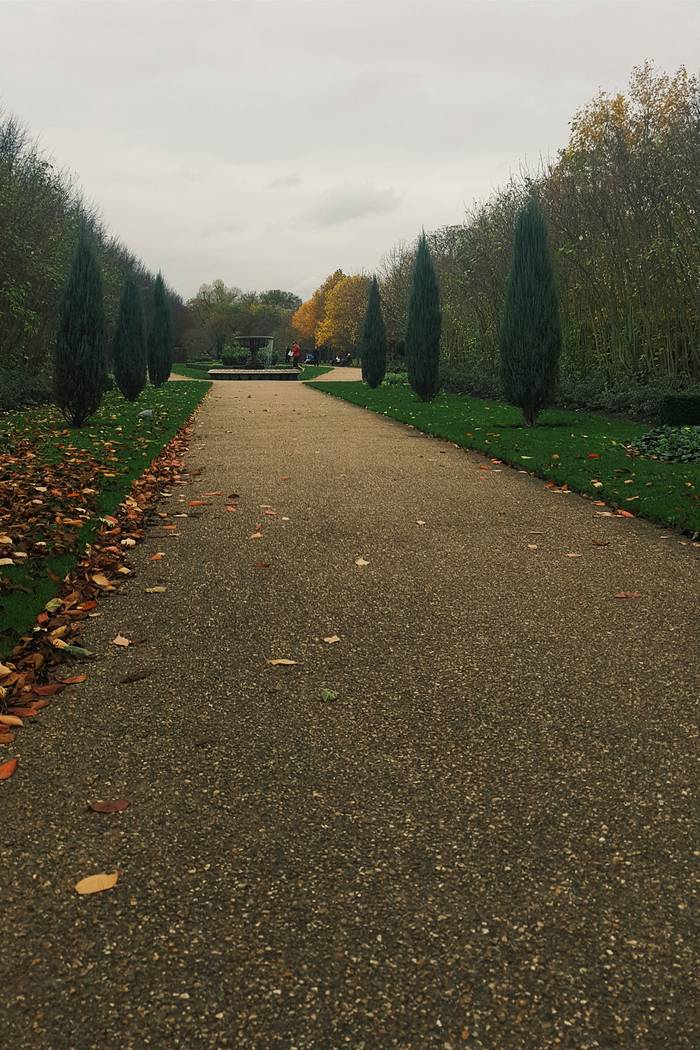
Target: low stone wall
{"x": 253, "y": 373}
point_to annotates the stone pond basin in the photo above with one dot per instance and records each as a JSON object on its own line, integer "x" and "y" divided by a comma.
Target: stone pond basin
{"x": 253, "y": 373}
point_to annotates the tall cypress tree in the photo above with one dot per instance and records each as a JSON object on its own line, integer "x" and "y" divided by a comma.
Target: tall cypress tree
{"x": 373, "y": 343}
{"x": 530, "y": 341}
{"x": 160, "y": 339}
{"x": 424, "y": 326}
{"x": 130, "y": 355}
{"x": 79, "y": 369}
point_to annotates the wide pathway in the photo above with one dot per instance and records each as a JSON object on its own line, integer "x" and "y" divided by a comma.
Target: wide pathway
{"x": 486, "y": 840}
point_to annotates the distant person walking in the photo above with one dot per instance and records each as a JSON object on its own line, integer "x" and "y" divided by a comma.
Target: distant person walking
{"x": 288, "y": 355}
{"x": 296, "y": 355}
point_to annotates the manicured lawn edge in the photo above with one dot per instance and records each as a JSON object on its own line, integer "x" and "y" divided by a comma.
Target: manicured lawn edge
{"x": 311, "y": 372}
{"x": 19, "y": 608}
{"x": 582, "y": 451}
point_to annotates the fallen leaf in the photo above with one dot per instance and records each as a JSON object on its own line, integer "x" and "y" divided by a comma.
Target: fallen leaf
{"x": 5, "y": 670}
{"x": 6, "y": 738}
{"x": 219, "y": 493}
{"x": 532, "y": 547}
{"x": 600, "y": 543}
{"x": 598, "y": 502}
{"x": 121, "y": 640}
{"x": 332, "y": 639}
{"x": 118, "y": 806}
{"x": 271, "y": 513}
{"x": 256, "y": 536}
{"x": 361, "y": 562}
{"x": 158, "y": 556}
{"x": 137, "y": 676}
{"x": 593, "y": 455}
{"x": 328, "y": 694}
{"x": 197, "y": 503}
{"x": 285, "y": 477}
{"x": 623, "y": 514}
{"x": 262, "y": 565}
{"x": 419, "y": 522}
{"x": 232, "y": 509}
{"x": 628, "y": 594}
{"x": 97, "y": 883}
{"x": 572, "y": 554}
{"x": 10, "y": 720}
{"x": 101, "y": 580}
{"x": 282, "y": 663}
{"x": 7, "y": 769}
{"x": 48, "y": 690}
{"x": 156, "y": 590}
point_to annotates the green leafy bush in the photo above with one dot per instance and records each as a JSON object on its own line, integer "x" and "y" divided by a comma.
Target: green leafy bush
{"x": 234, "y": 356}
{"x": 672, "y": 444}
{"x": 395, "y": 379}
{"x": 680, "y": 410}
{"x": 19, "y": 387}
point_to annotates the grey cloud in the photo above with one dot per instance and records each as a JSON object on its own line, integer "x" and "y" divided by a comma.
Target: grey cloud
{"x": 285, "y": 182}
{"x": 344, "y": 203}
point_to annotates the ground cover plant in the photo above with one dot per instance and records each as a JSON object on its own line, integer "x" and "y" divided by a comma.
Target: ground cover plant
{"x": 673, "y": 444}
{"x": 585, "y": 453}
{"x": 56, "y": 484}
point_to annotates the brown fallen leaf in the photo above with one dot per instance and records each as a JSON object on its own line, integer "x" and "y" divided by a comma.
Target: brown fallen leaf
{"x": 420, "y": 522}
{"x": 158, "y": 556}
{"x": 7, "y": 769}
{"x": 101, "y": 580}
{"x": 197, "y": 503}
{"x": 156, "y": 590}
{"x": 332, "y": 639}
{"x": 282, "y": 663}
{"x": 624, "y": 514}
{"x": 532, "y": 547}
{"x": 219, "y": 493}
{"x": 271, "y": 513}
{"x": 122, "y": 641}
{"x": 361, "y": 562}
{"x": 99, "y": 806}
{"x": 628, "y": 594}
{"x": 262, "y": 565}
{"x": 600, "y": 543}
{"x": 48, "y": 690}
{"x": 97, "y": 883}
{"x": 285, "y": 477}
{"x": 573, "y": 554}
{"x": 10, "y": 720}
{"x": 256, "y": 536}
{"x": 231, "y": 509}
{"x": 6, "y": 738}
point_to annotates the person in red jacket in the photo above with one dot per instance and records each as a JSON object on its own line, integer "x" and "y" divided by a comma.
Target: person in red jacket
{"x": 296, "y": 355}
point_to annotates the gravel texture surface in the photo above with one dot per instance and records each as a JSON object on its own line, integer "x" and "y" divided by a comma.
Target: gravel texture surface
{"x": 486, "y": 840}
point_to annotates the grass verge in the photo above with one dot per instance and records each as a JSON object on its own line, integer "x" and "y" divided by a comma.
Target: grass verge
{"x": 314, "y": 371}
{"x": 585, "y": 452}
{"x": 195, "y": 370}
{"x": 56, "y": 483}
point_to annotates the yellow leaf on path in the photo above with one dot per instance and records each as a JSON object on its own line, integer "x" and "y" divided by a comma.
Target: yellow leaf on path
{"x": 419, "y": 522}
{"x": 532, "y": 547}
{"x": 4, "y": 669}
{"x": 101, "y": 580}
{"x": 121, "y": 640}
{"x": 332, "y": 639}
{"x": 282, "y": 663}
{"x": 361, "y": 562}
{"x": 156, "y": 590}
{"x": 97, "y": 883}
{"x": 257, "y": 536}
{"x": 158, "y": 556}
{"x": 572, "y": 554}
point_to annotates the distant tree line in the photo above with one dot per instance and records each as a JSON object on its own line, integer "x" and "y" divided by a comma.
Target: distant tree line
{"x": 42, "y": 210}
{"x": 218, "y": 315}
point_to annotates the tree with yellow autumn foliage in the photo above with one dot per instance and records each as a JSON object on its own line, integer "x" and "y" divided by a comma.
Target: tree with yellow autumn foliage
{"x": 344, "y": 312}
{"x": 310, "y": 314}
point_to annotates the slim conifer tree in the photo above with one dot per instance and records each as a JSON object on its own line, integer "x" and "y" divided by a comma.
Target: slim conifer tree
{"x": 79, "y": 369}
{"x": 130, "y": 354}
{"x": 373, "y": 343}
{"x": 424, "y": 326}
{"x": 160, "y": 339}
{"x": 530, "y": 343}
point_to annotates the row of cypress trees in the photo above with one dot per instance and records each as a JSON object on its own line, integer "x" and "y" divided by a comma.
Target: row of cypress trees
{"x": 530, "y": 339}
{"x": 80, "y": 366}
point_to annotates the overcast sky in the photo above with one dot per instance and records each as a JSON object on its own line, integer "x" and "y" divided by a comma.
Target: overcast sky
{"x": 269, "y": 143}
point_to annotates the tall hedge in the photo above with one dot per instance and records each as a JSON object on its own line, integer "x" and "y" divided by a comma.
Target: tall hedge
{"x": 424, "y": 326}
{"x": 129, "y": 351}
{"x": 373, "y": 340}
{"x": 530, "y": 344}
{"x": 79, "y": 369}
{"x": 160, "y": 339}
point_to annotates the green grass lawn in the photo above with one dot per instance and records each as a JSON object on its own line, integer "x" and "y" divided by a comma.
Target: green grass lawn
{"x": 314, "y": 371}
{"x": 49, "y": 472}
{"x": 196, "y": 369}
{"x": 584, "y": 451}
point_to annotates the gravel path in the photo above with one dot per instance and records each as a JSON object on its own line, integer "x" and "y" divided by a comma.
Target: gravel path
{"x": 486, "y": 840}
